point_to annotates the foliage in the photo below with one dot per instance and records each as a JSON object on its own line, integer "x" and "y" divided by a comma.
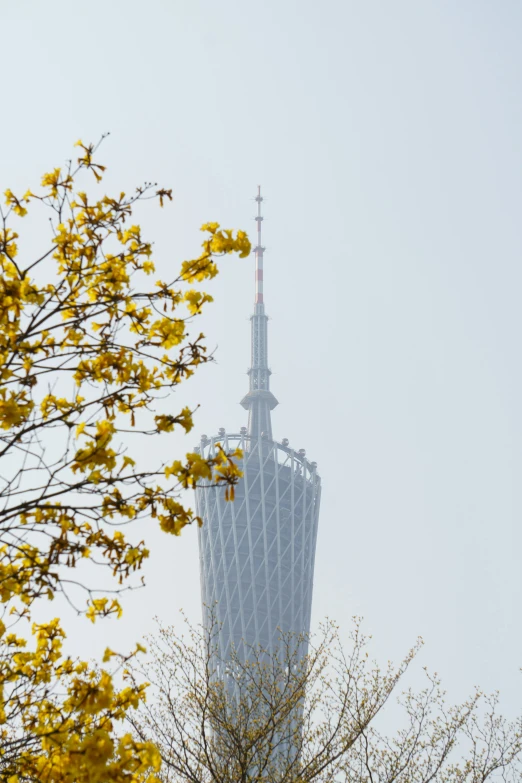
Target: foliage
{"x": 87, "y": 348}
{"x": 290, "y": 717}
{"x": 58, "y": 717}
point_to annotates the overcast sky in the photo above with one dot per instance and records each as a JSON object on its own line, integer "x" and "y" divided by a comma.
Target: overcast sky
{"x": 387, "y": 137}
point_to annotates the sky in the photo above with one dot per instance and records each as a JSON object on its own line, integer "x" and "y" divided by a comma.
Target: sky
{"x": 387, "y": 138}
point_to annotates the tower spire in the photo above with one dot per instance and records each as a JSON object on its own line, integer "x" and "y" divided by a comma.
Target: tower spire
{"x": 259, "y": 401}
{"x": 259, "y": 250}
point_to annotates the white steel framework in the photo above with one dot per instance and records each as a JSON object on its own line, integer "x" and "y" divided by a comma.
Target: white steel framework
{"x": 257, "y": 553}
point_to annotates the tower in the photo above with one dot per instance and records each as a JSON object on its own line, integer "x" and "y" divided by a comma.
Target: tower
{"x": 257, "y": 553}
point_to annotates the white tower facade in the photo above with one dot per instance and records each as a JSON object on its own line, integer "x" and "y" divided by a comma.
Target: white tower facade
{"x": 257, "y": 553}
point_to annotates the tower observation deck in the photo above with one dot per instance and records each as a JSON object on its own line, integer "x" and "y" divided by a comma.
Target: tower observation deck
{"x": 257, "y": 553}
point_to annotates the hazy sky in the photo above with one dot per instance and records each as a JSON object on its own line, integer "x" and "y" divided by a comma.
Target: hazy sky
{"x": 387, "y": 137}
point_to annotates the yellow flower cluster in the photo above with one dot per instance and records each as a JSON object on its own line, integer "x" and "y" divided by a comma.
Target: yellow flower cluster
{"x": 166, "y": 423}
{"x": 220, "y": 242}
{"x": 17, "y": 204}
{"x": 222, "y": 468}
{"x": 15, "y": 408}
{"x": 96, "y": 454}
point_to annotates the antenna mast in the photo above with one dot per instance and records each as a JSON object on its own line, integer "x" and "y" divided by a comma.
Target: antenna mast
{"x": 259, "y": 250}
{"x": 259, "y": 401}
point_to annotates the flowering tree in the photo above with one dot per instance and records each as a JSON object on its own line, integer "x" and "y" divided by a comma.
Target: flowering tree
{"x": 284, "y": 718}
{"x": 87, "y": 346}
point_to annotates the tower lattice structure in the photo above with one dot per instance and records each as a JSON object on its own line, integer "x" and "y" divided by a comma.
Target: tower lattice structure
{"x": 257, "y": 553}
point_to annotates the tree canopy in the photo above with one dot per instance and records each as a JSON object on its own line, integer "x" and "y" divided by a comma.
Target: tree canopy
{"x": 284, "y": 717}
{"x": 88, "y": 345}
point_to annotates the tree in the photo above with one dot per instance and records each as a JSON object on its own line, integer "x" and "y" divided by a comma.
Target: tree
{"x": 286, "y": 718}
{"x": 59, "y": 718}
{"x": 87, "y": 347}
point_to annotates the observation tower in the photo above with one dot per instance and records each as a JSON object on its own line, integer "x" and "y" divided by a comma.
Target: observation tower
{"x": 257, "y": 553}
